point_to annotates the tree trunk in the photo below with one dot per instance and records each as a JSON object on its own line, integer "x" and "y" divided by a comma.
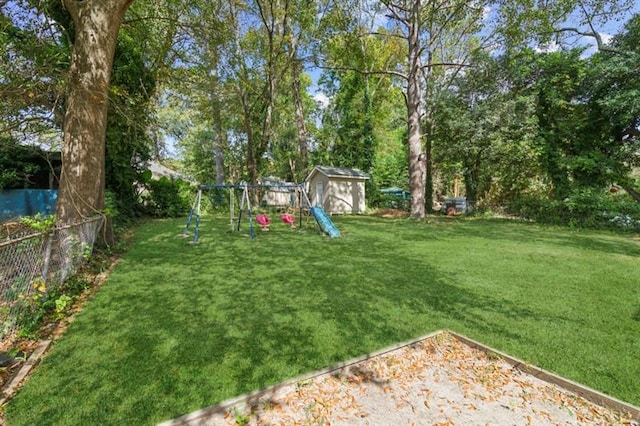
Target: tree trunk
{"x": 416, "y": 167}
{"x": 266, "y": 142}
{"x": 82, "y": 179}
{"x": 303, "y": 157}
{"x": 631, "y": 191}
{"x": 429, "y": 128}
{"x": 219, "y": 143}
{"x": 428, "y": 186}
{"x": 252, "y": 165}
{"x": 218, "y": 152}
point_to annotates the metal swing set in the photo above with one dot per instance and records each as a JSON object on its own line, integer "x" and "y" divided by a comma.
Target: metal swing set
{"x": 301, "y": 198}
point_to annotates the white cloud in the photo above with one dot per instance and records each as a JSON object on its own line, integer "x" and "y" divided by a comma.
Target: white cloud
{"x": 321, "y": 99}
{"x": 486, "y": 12}
{"x": 550, "y": 47}
{"x": 606, "y": 38}
{"x": 593, "y": 47}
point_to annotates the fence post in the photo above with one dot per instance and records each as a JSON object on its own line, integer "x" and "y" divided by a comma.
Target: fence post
{"x": 47, "y": 256}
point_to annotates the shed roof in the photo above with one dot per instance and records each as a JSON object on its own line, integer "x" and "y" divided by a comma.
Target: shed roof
{"x": 159, "y": 171}
{"x": 392, "y": 189}
{"x": 338, "y": 172}
{"x": 277, "y": 185}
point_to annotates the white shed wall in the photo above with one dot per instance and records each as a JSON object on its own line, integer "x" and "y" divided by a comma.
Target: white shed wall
{"x": 339, "y": 195}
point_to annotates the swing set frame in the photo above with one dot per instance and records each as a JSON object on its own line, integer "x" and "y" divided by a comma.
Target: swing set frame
{"x": 245, "y": 205}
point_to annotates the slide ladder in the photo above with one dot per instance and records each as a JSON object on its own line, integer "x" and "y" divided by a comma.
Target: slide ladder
{"x": 325, "y": 223}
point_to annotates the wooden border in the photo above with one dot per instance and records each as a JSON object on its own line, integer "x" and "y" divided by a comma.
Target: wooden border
{"x": 598, "y": 398}
{"x": 12, "y": 386}
{"x": 585, "y": 392}
{"x": 198, "y": 416}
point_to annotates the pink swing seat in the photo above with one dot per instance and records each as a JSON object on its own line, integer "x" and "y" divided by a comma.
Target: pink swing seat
{"x": 288, "y": 219}
{"x": 264, "y": 221}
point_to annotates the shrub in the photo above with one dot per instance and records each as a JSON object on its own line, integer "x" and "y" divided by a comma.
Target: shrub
{"x": 167, "y": 197}
{"x": 392, "y": 203}
{"x": 218, "y": 199}
{"x": 583, "y": 208}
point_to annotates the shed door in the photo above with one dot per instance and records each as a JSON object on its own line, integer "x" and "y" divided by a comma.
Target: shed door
{"x": 319, "y": 194}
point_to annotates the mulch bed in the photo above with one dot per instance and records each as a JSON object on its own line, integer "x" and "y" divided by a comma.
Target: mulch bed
{"x": 12, "y": 358}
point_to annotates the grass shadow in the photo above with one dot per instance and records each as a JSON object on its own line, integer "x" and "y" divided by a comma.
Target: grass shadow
{"x": 179, "y": 326}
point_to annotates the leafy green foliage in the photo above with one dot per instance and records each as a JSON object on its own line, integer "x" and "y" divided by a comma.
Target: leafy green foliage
{"x": 168, "y": 197}
{"x": 554, "y": 129}
{"x": 33, "y": 64}
{"x": 554, "y": 80}
{"x": 485, "y": 136}
{"x": 360, "y": 124}
{"x": 45, "y": 304}
{"x": 18, "y": 163}
{"x": 128, "y": 144}
{"x": 613, "y": 90}
{"x": 582, "y": 208}
{"x": 39, "y": 222}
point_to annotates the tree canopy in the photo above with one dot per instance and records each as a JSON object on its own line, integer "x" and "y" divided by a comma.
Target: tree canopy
{"x": 505, "y": 97}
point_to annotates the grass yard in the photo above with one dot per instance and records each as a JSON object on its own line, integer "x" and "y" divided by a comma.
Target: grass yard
{"x": 180, "y": 327}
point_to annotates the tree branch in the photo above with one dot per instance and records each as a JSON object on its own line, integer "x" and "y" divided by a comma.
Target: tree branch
{"x": 390, "y": 35}
{"x": 394, "y": 13}
{"x": 446, "y": 64}
{"x": 596, "y": 35}
{"x": 631, "y": 191}
{"x": 370, "y": 72}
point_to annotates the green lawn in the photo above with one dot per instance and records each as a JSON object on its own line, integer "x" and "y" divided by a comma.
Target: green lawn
{"x": 179, "y": 327}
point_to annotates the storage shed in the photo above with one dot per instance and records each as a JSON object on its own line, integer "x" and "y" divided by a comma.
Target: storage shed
{"x": 337, "y": 189}
{"x": 278, "y": 193}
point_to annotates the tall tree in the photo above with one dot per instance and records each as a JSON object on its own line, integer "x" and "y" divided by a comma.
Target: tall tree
{"x": 302, "y": 29}
{"x": 82, "y": 180}
{"x": 437, "y": 34}
{"x": 266, "y": 60}
{"x": 360, "y": 97}
{"x": 613, "y": 90}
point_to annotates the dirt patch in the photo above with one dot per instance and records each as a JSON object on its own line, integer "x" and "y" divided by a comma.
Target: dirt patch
{"x": 391, "y": 213}
{"x": 439, "y": 380}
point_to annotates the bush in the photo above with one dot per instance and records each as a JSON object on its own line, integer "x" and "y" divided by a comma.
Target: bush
{"x": 583, "y": 208}
{"x": 391, "y": 202}
{"x": 167, "y": 197}
{"x": 218, "y": 199}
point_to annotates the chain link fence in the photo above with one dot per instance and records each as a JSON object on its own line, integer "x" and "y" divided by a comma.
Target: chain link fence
{"x": 35, "y": 264}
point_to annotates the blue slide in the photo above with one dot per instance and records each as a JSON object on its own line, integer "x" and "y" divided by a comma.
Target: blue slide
{"x": 324, "y": 222}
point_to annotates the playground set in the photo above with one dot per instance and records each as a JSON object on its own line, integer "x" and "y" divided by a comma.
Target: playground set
{"x": 298, "y": 201}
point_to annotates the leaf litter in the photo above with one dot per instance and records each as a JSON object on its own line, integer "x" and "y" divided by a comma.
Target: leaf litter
{"x": 437, "y": 381}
